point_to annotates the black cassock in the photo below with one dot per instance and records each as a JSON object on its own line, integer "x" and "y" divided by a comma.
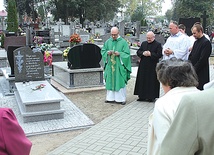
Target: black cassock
{"x": 147, "y": 86}
{"x": 199, "y": 57}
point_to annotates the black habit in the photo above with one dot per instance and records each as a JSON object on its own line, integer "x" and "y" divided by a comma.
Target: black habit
{"x": 147, "y": 87}
{"x": 199, "y": 57}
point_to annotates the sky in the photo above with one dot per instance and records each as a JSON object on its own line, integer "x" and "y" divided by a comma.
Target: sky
{"x": 165, "y": 6}
{"x": 1, "y": 5}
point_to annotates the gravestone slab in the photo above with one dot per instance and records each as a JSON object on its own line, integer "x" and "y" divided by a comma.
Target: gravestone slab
{"x": 84, "y": 38}
{"x": 38, "y": 104}
{"x": 77, "y": 78}
{"x": 160, "y": 38}
{"x": 29, "y": 65}
{"x": 84, "y": 56}
{"x": 142, "y": 38}
{"x": 105, "y": 37}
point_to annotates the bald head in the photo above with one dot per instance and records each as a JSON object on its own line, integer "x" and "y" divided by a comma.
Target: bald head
{"x": 114, "y": 32}
{"x": 150, "y": 36}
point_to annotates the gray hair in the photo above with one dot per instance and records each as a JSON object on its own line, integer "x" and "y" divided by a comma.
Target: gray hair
{"x": 176, "y": 73}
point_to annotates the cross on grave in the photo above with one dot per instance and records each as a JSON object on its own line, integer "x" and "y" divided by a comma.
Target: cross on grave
{"x": 60, "y": 23}
{"x": 204, "y": 17}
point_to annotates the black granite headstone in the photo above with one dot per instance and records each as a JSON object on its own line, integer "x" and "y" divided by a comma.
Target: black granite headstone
{"x": 29, "y": 65}
{"x": 84, "y": 56}
{"x": 188, "y": 22}
{"x": 45, "y": 34}
{"x": 10, "y": 58}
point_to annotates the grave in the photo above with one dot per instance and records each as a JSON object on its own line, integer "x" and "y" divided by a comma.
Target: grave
{"x": 36, "y": 98}
{"x": 45, "y": 34}
{"x": 10, "y": 44}
{"x": 82, "y": 70}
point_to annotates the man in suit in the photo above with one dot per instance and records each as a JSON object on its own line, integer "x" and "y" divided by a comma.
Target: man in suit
{"x": 192, "y": 131}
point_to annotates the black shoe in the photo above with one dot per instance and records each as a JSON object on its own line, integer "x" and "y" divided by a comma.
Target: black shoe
{"x": 151, "y": 100}
{"x": 141, "y": 99}
{"x": 106, "y": 101}
{"x": 122, "y": 103}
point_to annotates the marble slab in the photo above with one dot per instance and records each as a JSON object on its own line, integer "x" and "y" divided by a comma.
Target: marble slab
{"x": 38, "y": 103}
{"x": 43, "y": 95}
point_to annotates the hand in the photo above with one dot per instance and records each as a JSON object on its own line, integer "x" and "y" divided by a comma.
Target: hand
{"x": 116, "y": 53}
{"x": 147, "y": 53}
{"x": 110, "y": 52}
{"x": 168, "y": 51}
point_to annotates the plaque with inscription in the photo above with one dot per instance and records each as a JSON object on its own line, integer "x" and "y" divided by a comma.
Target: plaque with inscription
{"x": 28, "y": 65}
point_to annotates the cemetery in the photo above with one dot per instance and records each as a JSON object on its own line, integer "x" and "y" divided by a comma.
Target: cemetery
{"x": 45, "y": 61}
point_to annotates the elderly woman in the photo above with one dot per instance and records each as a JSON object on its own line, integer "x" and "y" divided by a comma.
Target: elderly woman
{"x": 177, "y": 78}
{"x": 12, "y": 138}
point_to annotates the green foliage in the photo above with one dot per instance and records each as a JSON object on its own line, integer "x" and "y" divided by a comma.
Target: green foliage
{"x": 41, "y": 11}
{"x": 193, "y": 8}
{"x": 150, "y": 7}
{"x": 169, "y": 14}
{"x": 12, "y": 19}
{"x": 143, "y": 22}
{"x": 88, "y": 9}
{"x": 138, "y": 14}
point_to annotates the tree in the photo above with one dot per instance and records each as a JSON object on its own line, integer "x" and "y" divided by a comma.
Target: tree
{"x": 138, "y": 14}
{"x": 83, "y": 9}
{"x": 168, "y": 14}
{"x": 149, "y": 7}
{"x": 12, "y": 19}
{"x": 193, "y": 8}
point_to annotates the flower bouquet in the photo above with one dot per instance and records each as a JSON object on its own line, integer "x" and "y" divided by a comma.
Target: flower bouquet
{"x": 65, "y": 53}
{"x": 75, "y": 39}
{"x": 37, "y": 40}
{"x": 45, "y": 46}
{"x": 48, "y": 58}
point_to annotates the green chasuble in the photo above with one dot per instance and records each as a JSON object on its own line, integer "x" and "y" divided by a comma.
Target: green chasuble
{"x": 117, "y": 69}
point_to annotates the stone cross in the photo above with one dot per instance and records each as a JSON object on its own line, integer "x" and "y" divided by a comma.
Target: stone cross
{"x": 60, "y": 23}
{"x": 204, "y": 17}
{"x": 121, "y": 28}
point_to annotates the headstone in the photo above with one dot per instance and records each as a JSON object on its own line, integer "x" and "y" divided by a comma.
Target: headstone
{"x": 72, "y": 28}
{"x": 188, "y": 22}
{"x": 105, "y": 37}
{"x": 29, "y": 65}
{"x": 84, "y": 38}
{"x": 142, "y": 38}
{"x": 59, "y": 23}
{"x": 121, "y": 28}
{"x": 84, "y": 56}
{"x": 45, "y": 34}
{"x": 138, "y": 29}
{"x": 160, "y": 38}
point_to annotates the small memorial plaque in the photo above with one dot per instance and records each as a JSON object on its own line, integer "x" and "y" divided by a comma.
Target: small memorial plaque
{"x": 29, "y": 65}
{"x": 84, "y": 38}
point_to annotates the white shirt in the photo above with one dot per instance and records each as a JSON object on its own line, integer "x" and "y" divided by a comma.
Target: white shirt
{"x": 179, "y": 44}
{"x": 163, "y": 116}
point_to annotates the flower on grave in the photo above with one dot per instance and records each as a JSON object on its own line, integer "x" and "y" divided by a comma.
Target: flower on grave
{"x": 39, "y": 87}
{"x": 136, "y": 44}
{"x": 65, "y": 53}
{"x": 91, "y": 40}
{"x": 127, "y": 40}
{"x": 75, "y": 39}
{"x": 45, "y": 46}
{"x": 37, "y": 40}
{"x": 97, "y": 35}
{"x": 48, "y": 58}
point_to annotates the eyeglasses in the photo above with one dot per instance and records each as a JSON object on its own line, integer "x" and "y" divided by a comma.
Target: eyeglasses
{"x": 114, "y": 34}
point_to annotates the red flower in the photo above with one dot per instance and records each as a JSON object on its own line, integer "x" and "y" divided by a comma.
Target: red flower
{"x": 75, "y": 38}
